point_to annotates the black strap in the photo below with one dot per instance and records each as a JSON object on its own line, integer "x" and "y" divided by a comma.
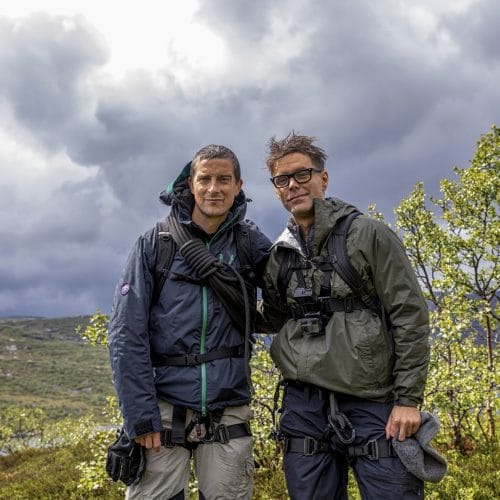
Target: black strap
{"x": 373, "y": 450}
{"x": 221, "y": 434}
{"x": 337, "y": 249}
{"x": 246, "y": 269}
{"x": 244, "y": 249}
{"x": 224, "y": 433}
{"x": 327, "y": 306}
{"x": 306, "y": 445}
{"x": 197, "y": 359}
{"x": 285, "y": 272}
{"x": 165, "y": 251}
{"x": 178, "y": 424}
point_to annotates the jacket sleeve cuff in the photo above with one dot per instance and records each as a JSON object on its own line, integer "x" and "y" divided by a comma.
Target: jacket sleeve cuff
{"x": 401, "y": 401}
{"x": 143, "y": 427}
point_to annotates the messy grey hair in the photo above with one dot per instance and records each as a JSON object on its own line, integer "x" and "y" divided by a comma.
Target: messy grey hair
{"x": 294, "y": 143}
{"x": 215, "y": 151}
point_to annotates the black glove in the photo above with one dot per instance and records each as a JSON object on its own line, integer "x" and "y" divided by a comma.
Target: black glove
{"x": 126, "y": 459}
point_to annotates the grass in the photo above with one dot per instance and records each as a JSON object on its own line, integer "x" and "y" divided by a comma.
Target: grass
{"x": 48, "y": 474}
{"x": 45, "y": 363}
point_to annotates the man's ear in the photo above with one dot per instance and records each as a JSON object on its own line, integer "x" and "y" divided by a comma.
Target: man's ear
{"x": 190, "y": 184}
{"x": 324, "y": 180}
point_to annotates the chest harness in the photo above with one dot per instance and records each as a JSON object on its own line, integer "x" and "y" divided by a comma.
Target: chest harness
{"x": 312, "y": 312}
{"x": 236, "y": 291}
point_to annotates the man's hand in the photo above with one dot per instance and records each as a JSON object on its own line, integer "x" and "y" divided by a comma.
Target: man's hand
{"x": 403, "y": 422}
{"x": 151, "y": 440}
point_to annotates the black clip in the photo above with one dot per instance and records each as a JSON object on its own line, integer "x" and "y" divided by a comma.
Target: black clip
{"x": 221, "y": 434}
{"x": 192, "y": 359}
{"x": 310, "y": 446}
{"x": 372, "y": 450}
{"x": 348, "y": 304}
{"x": 166, "y": 437}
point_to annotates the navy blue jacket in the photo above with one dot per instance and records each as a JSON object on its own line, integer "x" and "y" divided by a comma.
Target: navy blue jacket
{"x": 188, "y": 319}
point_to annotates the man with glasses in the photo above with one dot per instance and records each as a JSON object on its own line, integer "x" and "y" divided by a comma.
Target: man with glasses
{"x": 354, "y": 366}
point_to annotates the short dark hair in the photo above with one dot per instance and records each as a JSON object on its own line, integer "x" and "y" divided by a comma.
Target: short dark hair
{"x": 215, "y": 151}
{"x": 294, "y": 143}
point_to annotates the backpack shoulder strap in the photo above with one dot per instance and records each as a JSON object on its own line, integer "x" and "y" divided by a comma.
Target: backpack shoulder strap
{"x": 243, "y": 247}
{"x": 337, "y": 249}
{"x": 287, "y": 267}
{"x": 165, "y": 250}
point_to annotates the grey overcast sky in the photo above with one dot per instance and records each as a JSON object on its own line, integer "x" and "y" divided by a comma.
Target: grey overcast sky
{"x": 100, "y": 107}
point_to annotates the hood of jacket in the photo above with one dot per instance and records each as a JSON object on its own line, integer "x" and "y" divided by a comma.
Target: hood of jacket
{"x": 326, "y": 214}
{"x": 178, "y": 196}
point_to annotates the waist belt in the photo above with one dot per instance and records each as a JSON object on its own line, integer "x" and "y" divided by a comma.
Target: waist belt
{"x": 219, "y": 434}
{"x": 306, "y": 445}
{"x": 197, "y": 359}
{"x": 373, "y": 450}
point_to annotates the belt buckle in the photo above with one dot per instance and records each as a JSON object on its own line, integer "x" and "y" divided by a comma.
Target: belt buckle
{"x": 310, "y": 447}
{"x": 221, "y": 434}
{"x": 372, "y": 448}
{"x": 192, "y": 359}
{"x": 348, "y": 304}
{"x": 167, "y": 438}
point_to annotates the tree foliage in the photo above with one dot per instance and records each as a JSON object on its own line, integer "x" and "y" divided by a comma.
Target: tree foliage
{"x": 454, "y": 248}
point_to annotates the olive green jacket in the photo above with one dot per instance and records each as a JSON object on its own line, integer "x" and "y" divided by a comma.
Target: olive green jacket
{"x": 355, "y": 355}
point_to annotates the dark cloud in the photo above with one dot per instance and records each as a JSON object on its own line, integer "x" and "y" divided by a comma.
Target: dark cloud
{"x": 476, "y": 30}
{"x": 44, "y": 62}
{"x": 392, "y": 102}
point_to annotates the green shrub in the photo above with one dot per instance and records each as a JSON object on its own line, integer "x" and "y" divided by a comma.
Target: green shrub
{"x": 48, "y": 474}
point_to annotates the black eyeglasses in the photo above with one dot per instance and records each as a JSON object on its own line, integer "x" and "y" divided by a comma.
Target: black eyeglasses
{"x": 301, "y": 176}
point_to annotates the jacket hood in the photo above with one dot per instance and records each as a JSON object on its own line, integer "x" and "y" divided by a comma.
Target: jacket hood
{"x": 178, "y": 196}
{"x": 326, "y": 214}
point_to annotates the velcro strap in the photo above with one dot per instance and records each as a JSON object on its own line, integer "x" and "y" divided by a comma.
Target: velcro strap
{"x": 373, "y": 450}
{"x": 197, "y": 359}
{"x": 306, "y": 445}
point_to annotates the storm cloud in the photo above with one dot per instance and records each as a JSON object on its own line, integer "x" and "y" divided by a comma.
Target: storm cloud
{"x": 395, "y": 93}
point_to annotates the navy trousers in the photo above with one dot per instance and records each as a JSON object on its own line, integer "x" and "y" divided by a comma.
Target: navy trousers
{"x": 324, "y": 475}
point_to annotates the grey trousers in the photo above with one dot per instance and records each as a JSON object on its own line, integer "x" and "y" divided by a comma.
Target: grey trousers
{"x": 224, "y": 471}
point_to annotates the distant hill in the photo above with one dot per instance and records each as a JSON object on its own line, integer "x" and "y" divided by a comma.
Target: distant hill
{"x": 45, "y": 363}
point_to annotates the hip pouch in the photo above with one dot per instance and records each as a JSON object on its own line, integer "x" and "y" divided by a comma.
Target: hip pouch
{"x": 126, "y": 459}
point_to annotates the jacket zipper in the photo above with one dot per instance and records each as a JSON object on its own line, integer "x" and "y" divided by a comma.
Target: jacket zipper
{"x": 204, "y": 325}
{"x": 202, "y": 351}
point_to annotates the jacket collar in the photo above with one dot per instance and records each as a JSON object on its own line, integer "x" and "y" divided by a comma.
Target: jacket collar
{"x": 326, "y": 214}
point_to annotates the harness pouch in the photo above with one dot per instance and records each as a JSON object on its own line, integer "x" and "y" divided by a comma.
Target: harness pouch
{"x": 126, "y": 460}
